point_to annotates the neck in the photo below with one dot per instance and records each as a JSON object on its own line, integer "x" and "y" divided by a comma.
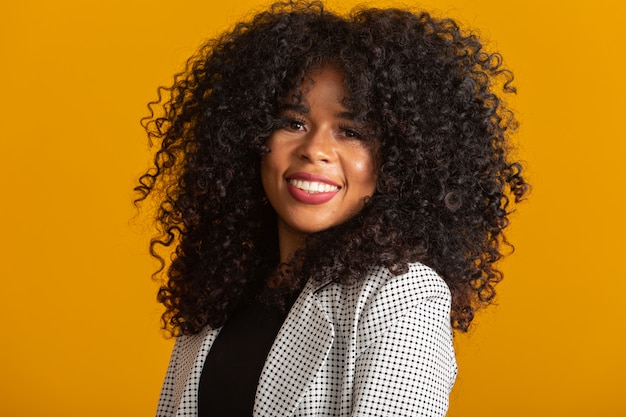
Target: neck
{"x": 289, "y": 241}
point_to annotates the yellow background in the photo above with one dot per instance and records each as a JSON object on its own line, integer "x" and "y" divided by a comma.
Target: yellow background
{"x": 79, "y": 330}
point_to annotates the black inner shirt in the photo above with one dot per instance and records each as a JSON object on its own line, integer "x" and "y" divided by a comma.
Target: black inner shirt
{"x": 234, "y": 363}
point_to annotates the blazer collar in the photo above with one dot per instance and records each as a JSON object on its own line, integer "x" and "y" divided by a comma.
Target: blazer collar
{"x": 298, "y": 353}
{"x": 190, "y": 354}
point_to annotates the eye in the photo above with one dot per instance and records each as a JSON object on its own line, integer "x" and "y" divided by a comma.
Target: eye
{"x": 295, "y": 124}
{"x": 350, "y": 132}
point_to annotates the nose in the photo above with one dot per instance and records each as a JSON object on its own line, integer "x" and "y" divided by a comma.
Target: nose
{"x": 317, "y": 146}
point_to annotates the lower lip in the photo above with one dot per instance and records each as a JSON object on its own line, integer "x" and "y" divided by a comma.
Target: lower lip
{"x": 310, "y": 198}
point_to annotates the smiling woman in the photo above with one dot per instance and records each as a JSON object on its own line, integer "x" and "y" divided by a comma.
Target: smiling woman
{"x": 336, "y": 191}
{"x": 318, "y": 172}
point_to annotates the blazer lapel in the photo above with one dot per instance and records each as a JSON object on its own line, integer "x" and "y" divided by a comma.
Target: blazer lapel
{"x": 299, "y": 351}
{"x": 189, "y": 370}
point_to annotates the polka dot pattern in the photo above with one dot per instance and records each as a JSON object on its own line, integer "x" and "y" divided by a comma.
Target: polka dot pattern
{"x": 381, "y": 347}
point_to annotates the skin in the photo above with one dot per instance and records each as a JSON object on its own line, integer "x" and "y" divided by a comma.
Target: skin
{"x": 319, "y": 170}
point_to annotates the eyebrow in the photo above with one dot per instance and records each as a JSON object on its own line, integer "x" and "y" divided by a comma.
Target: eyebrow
{"x": 297, "y": 108}
{"x": 347, "y": 115}
{"x": 302, "y": 109}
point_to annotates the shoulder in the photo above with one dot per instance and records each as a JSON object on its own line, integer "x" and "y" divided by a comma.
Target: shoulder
{"x": 369, "y": 308}
{"x": 384, "y": 291}
{"x": 417, "y": 283}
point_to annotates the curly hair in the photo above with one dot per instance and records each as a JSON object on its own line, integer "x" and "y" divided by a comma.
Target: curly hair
{"x": 446, "y": 181}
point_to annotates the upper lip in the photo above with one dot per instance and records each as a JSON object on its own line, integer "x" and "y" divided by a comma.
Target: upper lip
{"x": 306, "y": 176}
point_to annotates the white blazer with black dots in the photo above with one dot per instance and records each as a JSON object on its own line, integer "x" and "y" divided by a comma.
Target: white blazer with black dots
{"x": 382, "y": 347}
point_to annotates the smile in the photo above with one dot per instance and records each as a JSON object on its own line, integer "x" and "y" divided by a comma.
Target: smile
{"x": 313, "y": 187}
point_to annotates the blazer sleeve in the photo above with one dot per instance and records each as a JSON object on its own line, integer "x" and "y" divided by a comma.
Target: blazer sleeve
{"x": 167, "y": 400}
{"x": 179, "y": 393}
{"x": 410, "y": 368}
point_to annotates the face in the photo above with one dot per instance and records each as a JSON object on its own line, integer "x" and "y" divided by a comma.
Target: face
{"x": 319, "y": 170}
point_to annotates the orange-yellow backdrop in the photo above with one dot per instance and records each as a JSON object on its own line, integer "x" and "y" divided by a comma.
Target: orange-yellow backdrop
{"x": 80, "y": 334}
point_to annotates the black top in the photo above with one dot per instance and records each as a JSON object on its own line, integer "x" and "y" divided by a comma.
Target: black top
{"x": 234, "y": 363}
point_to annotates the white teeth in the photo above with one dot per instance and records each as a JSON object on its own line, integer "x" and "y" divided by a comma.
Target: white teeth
{"x": 313, "y": 186}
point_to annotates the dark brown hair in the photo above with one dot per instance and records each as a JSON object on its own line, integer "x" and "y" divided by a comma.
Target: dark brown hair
{"x": 429, "y": 93}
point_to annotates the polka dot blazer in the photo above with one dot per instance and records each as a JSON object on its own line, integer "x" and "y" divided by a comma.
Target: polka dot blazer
{"x": 382, "y": 347}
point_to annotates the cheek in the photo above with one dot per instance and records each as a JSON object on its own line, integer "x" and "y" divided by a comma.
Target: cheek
{"x": 267, "y": 160}
{"x": 272, "y": 167}
{"x": 365, "y": 170}
{"x": 267, "y": 174}
{"x": 266, "y": 171}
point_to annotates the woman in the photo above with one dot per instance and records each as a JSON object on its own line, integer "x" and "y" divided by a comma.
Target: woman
{"x": 313, "y": 172}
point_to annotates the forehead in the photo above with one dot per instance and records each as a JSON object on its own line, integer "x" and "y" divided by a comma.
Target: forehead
{"x": 325, "y": 84}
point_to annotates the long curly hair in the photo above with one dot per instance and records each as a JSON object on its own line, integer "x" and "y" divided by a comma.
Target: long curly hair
{"x": 431, "y": 96}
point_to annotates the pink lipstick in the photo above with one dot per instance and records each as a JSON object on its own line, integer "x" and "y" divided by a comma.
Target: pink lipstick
{"x": 311, "y": 188}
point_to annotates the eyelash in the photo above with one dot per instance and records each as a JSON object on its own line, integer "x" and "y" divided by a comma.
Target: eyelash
{"x": 289, "y": 122}
{"x": 348, "y": 130}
